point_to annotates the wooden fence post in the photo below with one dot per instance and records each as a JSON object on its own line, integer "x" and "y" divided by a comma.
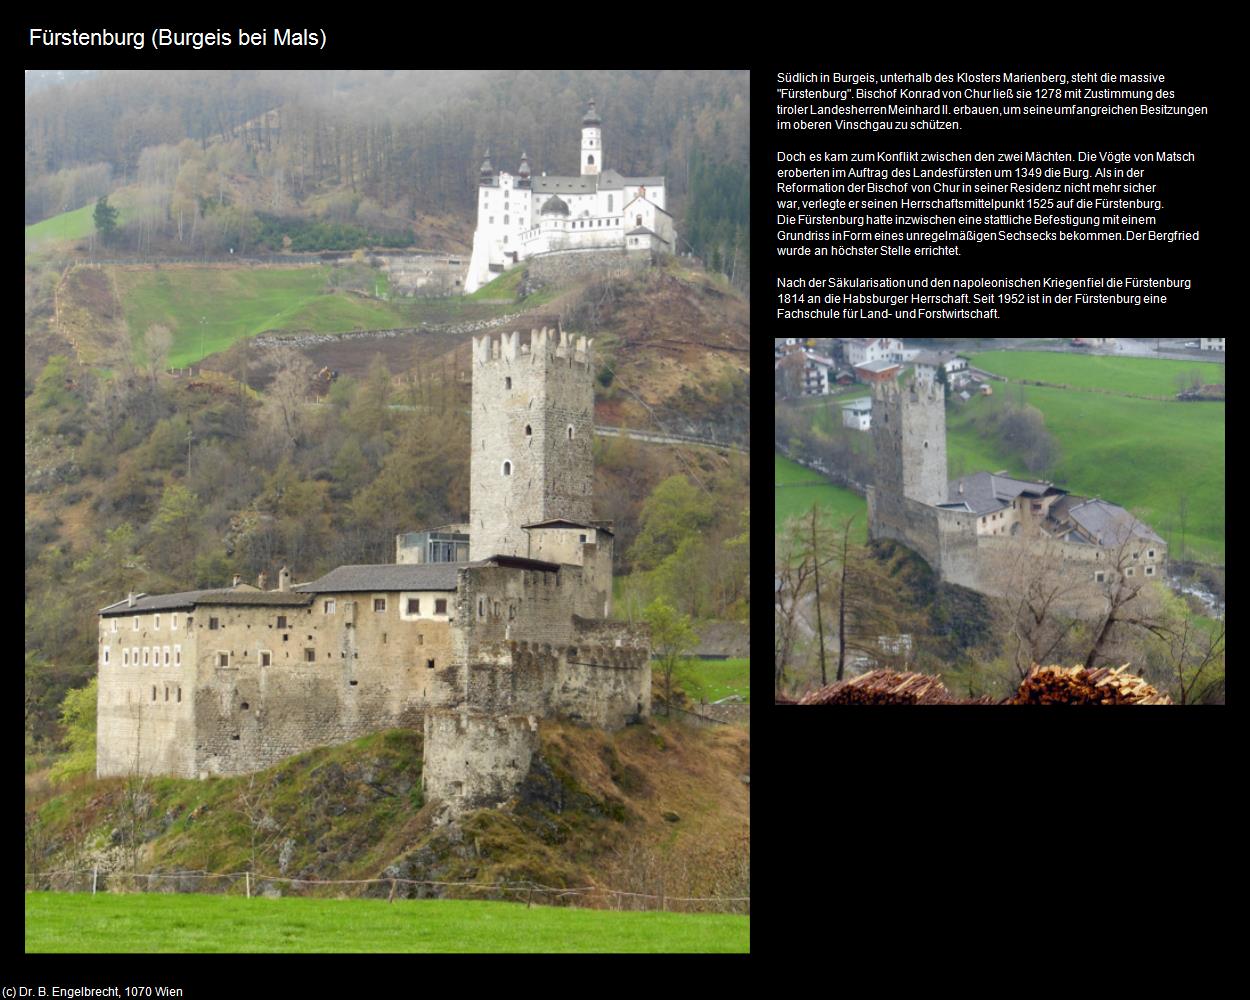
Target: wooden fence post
{"x": 391, "y": 898}
{"x": 247, "y": 881}
{"x": 95, "y": 874}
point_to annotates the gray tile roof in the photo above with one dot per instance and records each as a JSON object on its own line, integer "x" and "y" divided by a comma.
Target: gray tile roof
{"x": 985, "y": 492}
{"x": 1110, "y": 524}
{"x": 192, "y": 598}
{"x": 386, "y": 577}
{"x": 608, "y": 180}
{"x": 878, "y": 366}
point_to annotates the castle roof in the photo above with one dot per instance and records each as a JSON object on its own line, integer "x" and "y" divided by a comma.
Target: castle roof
{"x": 1108, "y": 523}
{"x": 385, "y": 577}
{"x": 563, "y": 522}
{"x": 191, "y": 598}
{"x": 984, "y": 492}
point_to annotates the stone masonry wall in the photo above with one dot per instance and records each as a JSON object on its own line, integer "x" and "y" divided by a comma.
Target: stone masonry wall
{"x": 532, "y": 427}
{"x": 370, "y": 670}
{"x": 560, "y": 267}
{"x": 474, "y": 760}
{"x": 144, "y": 711}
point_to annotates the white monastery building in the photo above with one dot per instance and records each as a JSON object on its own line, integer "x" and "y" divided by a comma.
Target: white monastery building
{"x": 520, "y": 216}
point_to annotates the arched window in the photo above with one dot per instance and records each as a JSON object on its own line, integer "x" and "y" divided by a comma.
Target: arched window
{"x": 528, "y": 431}
{"x": 507, "y": 468}
{"x": 590, "y": 159}
{"x": 505, "y": 218}
{"x": 570, "y": 432}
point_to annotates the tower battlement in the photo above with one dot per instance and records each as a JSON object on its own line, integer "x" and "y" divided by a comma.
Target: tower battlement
{"x": 544, "y": 344}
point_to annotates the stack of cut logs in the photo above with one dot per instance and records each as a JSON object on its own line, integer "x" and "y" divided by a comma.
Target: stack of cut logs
{"x": 1043, "y": 686}
{"x": 883, "y": 687}
{"x": 1078, "y": 686}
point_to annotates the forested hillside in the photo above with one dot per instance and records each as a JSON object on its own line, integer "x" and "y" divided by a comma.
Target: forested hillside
{"x": 207, "y": 160}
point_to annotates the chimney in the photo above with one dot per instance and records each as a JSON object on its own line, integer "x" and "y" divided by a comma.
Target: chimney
{"x": 130, "y": 599}
{"x": 235, "y": 581}
{"x": 262, "y": 580}
{"x": 284, "y": 579}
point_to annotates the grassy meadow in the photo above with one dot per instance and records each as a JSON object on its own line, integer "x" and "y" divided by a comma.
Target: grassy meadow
{"x": 74, "y": 225}
{"x": 158, "y": 922}
{"x": 1143, "y": 376}
{"x": 712, "y": 679}
{"x": 239, "y": 302}
{"x": 791, "y": 501}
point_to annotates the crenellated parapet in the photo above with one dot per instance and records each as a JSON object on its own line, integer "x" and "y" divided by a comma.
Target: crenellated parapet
{"x": 544, "y": 344}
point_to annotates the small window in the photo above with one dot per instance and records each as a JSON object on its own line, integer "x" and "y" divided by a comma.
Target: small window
{"x": 1150, "y": 571}
{"x": 154, "y": 692}
{"x": 511, "y": 612}
{"x": 223, "y": 659}
{"x": 570, "y": 432}
{"x": 481, "y": 607}
{"x": 156, "y": 621}
{"x": 528, "y": 430}
{"x": 329, "y": 607}
{"x": 106, "y": 654}
{"x": 180, "y": 694}
{"x": 281, "y": 621}
{"x": 440, "y": 605}
{"x": 243, "y": 706}
{"x": 507, "y": 382}
{"x": 581, "y": 538}
{"x": 167, "y": 694}
{"x": 507, "y": 468}
{"x": 173, "y": 621}
{"x": 125, "y": 657}
{"x": 379, "y": 604}
{"x": 212, "y": 623}
{"x": 1129, "y": 572}
{"x": 145, "y": 656}
{"x": 265, "y": 658}
{"x": 166, "y": 656}
{"x": 136, "y": 624}
{"x": 414, "y": 605}
{"x": 1151, "y": 554}
{"x": 310, "y": 656}
{"x": 429, "y": 664}
{"x": 420, "y": 639}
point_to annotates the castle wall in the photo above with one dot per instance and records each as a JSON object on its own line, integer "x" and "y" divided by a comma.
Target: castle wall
{"x": 144, "y": 710}
{"x": 370, "y": 670}
{"x": 474, "y": 760}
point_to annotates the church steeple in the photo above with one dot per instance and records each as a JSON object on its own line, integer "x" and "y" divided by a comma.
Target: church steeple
{"x": 487, "y": 172}
{"x": 592, "y": 141}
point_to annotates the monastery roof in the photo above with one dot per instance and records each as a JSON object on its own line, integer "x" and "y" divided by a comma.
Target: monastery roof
{"x": 385, "y": 577}
{"x": 985, "y": 492}
{"x": 1109, "y": 523}
{"x": 192, "y": 598}
{"x": 608, "y": 180}
{"x": 644, "y": 231}
{"x": 555, "y": 205}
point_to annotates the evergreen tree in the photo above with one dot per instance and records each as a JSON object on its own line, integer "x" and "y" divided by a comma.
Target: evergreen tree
{"x": 105, "y": 219}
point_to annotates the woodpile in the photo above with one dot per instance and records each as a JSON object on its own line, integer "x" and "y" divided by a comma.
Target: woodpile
{"x": 1078, "y": 686}
{"x": 1042, "y": 686}
{"x": 883, "y": 687}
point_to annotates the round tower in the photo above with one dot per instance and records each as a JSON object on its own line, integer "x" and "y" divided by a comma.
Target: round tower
{"x": 592, "y": 141}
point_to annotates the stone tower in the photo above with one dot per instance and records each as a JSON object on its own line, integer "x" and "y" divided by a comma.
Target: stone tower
{"x": 909, "y": 433}
{"x": 533, "y": 417}
{"x": 592, "y": 141}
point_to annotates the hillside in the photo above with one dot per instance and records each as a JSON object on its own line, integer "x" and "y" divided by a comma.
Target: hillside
{"x": 657, "y": 804}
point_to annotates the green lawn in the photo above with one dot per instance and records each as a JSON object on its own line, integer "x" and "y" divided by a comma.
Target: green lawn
{"x": 1142, "y": 454}
{"x": 1145, "y": 376}
{"x": 713, "y": 679}
{"x": 71, "y": 922}
{"x": 794, "y": 500}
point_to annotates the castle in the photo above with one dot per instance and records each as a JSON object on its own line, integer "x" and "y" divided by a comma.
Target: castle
{"x": 476, "y": 632}
{"x": 981, "y": 531}
{"x": 521, "y": 216}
